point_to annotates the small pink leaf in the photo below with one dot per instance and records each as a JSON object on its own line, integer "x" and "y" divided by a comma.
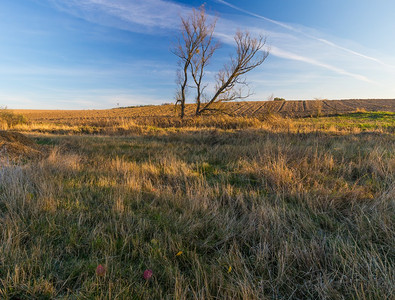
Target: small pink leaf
{"x": 148, "y": 274}
{"x": 100, "y": 270}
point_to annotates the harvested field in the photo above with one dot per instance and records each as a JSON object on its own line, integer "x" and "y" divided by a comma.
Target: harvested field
{"x": 256, "y": 109}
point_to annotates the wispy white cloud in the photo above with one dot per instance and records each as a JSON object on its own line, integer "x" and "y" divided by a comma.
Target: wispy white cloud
{"x": 10, "y": 100}
{"x": 288, "y": 55}
{"x": 296, "y": 30}
{"x": 136, "y": 15}
{"x": 153, "y": 15}
{"x": 78, "y": 98}
{"x": 354, "y": 52}
{"x": 256, "y": 15}
{"x": 295, "y": 45}
{"x": 281, "y": 53}
{"x": 96, "y": 70}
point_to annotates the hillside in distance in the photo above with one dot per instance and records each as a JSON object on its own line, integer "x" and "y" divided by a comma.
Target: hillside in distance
{"x": 294, "y": 108}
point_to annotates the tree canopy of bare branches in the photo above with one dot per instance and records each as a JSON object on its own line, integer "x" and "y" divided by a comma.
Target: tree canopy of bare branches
{"x": 195, "y": 49}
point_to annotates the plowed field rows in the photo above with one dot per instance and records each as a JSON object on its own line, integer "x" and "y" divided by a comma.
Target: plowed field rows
{"x": 247, "y": 108}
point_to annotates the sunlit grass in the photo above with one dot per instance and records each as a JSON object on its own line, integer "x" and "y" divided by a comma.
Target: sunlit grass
{"x": 358, "y": 121}
{"x": 282, "y": 208}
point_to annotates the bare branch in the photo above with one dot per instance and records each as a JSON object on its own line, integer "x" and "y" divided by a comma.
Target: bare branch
{"x": 193, "y": 32}
{"x": 249, "y": 55}
{"x": 196, "y": 47}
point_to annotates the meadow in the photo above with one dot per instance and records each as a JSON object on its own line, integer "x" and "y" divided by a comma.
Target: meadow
{"x": 218, "y": 207}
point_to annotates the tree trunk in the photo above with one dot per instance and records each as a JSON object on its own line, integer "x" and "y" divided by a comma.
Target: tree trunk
{"x": 184, "y": 84}
{"x": 198, "y": 100}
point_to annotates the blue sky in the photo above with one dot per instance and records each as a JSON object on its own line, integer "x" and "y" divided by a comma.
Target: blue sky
{"x": 86, "y": 54}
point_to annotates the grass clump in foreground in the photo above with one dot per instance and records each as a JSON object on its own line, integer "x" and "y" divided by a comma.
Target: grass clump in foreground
{"x": 255, "y": 213}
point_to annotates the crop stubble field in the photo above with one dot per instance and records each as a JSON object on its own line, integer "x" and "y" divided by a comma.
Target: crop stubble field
{"x": 220, "y": 208}
{"x": 240, "y": 109}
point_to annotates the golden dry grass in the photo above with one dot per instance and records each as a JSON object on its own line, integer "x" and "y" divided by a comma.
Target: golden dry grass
{"x": 261, "y": 209}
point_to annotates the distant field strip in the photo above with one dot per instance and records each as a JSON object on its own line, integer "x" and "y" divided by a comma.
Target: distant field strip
{"x": 241, "y": 109}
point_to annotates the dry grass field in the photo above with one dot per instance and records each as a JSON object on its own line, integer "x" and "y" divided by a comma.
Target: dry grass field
{"x": 217, "y": 207}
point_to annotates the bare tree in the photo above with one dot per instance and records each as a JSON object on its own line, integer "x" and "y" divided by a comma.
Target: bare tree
{"x": 230, "y": 81}
{"x": 195, "y": 38}
{"x": 196, "y": 47}
{"x": 202, "y": 57}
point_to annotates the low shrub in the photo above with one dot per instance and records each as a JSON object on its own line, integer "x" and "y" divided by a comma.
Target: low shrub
{"x": 9, "y": 119}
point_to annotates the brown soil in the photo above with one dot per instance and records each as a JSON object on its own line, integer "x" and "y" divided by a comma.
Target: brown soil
{"x": 292, "y": 108}
{"x": 14, "y": 146}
